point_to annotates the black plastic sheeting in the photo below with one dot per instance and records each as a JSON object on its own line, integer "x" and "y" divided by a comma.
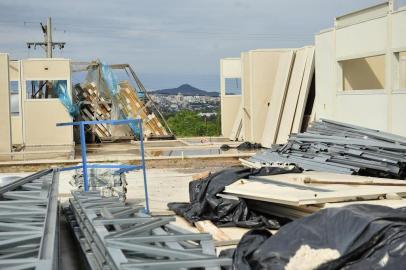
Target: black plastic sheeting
{"x": 366, "y": 236}
{"x": 243, "y": 146}
{"x": 206, "y": 205}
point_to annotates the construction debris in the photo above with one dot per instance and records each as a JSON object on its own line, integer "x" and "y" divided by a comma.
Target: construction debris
{"x": 29, "y": 222}
{"x": 332, "y": 146}
{"x": 205, "y": 204}
{"x": 363, "y": 235}
{"x": 113, "y": 235}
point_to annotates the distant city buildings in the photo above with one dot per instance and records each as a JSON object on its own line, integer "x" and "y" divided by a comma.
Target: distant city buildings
{"x": 174, "y": 103}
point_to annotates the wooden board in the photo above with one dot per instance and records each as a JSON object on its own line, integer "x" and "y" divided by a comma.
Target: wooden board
{"x": 274, "y": 112}
{"x": 326, "y": 176}
{"x": 206, "y": 226}
{"x": 304, "y": 91}
{"x": 292, "y": 96}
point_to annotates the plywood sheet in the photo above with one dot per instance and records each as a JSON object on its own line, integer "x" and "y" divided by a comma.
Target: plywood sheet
{"x": 290, "y": 194}
{"x": 274, "y": 112}
{"x": 292, "y": 95}
{"x": 299, "y": 178}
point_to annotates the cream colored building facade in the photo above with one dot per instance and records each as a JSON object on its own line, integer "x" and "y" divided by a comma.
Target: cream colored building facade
{"x": 33, "y": 120}
{"x": 361, "y": 69}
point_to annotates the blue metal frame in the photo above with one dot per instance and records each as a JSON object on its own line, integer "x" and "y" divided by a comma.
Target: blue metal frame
{"x": 121, "y": 168}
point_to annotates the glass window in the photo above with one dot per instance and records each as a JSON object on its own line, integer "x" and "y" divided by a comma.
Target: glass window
{"x": 233, "y": 86}
{"x": 44, "y": 89}
{"x": 367, "y": 73}
{"x": 14, "y": 98}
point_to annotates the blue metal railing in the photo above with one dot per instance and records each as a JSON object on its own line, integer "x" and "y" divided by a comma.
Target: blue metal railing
{"x": 121, "y": 168}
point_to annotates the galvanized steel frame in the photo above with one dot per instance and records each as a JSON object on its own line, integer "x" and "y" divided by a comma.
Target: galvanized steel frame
{"x": 29, "y": 225}
{"x": 114, "y": 235}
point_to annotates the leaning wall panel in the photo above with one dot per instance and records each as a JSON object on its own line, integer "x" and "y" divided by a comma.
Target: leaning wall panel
{"x": 230, "y": 107}
{"x": 263, "y": 73}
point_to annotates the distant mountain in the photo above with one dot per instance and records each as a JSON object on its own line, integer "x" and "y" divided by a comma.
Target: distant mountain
{"x": 186, "y": 90}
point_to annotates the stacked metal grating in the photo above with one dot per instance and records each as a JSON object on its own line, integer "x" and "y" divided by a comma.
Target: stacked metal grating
{"x": 332, "y": 146}
{"x": 29, "y": 222}
{"x": 113, "y": 235}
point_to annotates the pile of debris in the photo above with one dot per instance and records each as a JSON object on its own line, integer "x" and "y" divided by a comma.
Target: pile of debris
{"x": 352, "y": 237}
{"x": 336, "y": 147}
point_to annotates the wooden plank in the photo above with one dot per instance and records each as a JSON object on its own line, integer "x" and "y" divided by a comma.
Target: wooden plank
{"x": 304, "y": 91}
{"x": 250, "y": 164}
{"x": 201, "y": 176}
{"x": 292, "y": 96}
{"x": 220, "y": 238}
{"x": 277, "y": 101}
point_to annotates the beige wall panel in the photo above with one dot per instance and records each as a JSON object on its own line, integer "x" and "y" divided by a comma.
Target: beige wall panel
{"x": 40, "y": 121}
{"x": 230, "y": 107}
{"x": 246, "y": 97}
{"x": 292, "y": 95}
{"x": 367, "y": 110}
{"x": 264, "y": 67}
{"x": 398, "y": 114}
{"x": 14, "y": 70}
{"x": 325, "y": 75}
{"x": 363, "y": 15}
{"x": 273, "y": 115}
{"x": 360, "y": 39}
{"x": 304, "y": 91}
{"x": 17, "y": 129}
{"x": 398, "y": 29}
{"x": 230, "y": 104}
{"x": 230, "y": 67}
{"x": 5, "y": 119}
{"x": 36, "y": 69}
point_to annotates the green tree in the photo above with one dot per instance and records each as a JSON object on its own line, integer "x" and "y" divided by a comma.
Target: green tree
{"x": 188, "y": 123}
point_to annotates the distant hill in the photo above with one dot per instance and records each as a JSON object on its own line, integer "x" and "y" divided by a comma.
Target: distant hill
{"x": 186, "y": 90}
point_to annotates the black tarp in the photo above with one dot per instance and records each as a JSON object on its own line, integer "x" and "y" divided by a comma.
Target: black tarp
{"x": 205, "y": 204}
{"x": 366, "y": 236}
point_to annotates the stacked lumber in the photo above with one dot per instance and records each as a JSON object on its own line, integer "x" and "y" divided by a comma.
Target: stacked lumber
{"x": 94, "y": 107}
{"x": 336, "y": 147}
{"x": 132, "y": 107}
{"x": 296, "y": 195}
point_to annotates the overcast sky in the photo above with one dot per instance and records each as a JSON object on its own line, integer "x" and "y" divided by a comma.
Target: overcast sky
{"x": 168, "y": 42}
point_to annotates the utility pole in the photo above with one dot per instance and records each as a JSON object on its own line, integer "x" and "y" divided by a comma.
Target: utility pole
{"x": 48, "y": 45}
